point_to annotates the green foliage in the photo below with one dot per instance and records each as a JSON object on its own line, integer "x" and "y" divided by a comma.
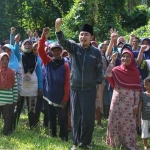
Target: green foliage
{"x": 26, "y": 14}
{"x": 141, "y": 32}
{"x": 144, "y": 66}
{"x": 63, "y": 5}
{"x": 137, "y": 18}
{"x": 103, "y": 15}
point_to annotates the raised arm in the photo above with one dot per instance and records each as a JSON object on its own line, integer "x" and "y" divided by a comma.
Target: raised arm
{"x": 16, "y": 46}
{"x": 140, "y": 56}
{"x": 70, "y": 47}
{"x": 36, "y": 36}
{"x": 41, "y": 47}
{"x": 113, "y": 40}
{"x": 132, "y": 36}
{"x": 12, "y": 32}
{"x": 109, "y": 69}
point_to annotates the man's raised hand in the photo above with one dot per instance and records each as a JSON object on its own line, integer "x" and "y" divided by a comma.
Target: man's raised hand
{"x": 113, "y": 34}
{"x": 58, "y": 23}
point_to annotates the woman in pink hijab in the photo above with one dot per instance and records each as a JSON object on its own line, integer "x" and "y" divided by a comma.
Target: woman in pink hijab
{"x": 125, "y": 80}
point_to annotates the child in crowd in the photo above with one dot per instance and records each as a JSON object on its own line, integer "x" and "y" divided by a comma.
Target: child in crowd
{"x": 8, "y": 93}
{"x": 144, "y": 112}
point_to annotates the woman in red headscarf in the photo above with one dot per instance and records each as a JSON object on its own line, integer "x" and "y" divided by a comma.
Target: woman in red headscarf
{"x": 125, "y": 80}
{"x": 8, "y": 93}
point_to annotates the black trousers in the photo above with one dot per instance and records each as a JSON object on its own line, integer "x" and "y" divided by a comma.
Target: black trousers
{"x": 82, "y": 107}
{"x": 45, "y": 112}
{"x": 62, "y": 121}
{"x": 31, "y": 103}
{"x": 38, "y": 109}
{"x": 8, "y": 111}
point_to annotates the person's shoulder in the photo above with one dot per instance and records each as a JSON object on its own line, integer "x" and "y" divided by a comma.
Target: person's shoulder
{"x": 11, "y": 70}
{"x": 66, "y": 65}
{"x": 145, "y": 96}
{"x": 95, "y": 50}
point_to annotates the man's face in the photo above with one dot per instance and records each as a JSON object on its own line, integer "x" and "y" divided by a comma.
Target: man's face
{"x": 85, "y": 39}
{"x": 56, "y": 53}
{"x": 135, "y": 42}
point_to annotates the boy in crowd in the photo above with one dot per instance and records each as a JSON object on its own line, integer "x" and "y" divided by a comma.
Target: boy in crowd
{"x": 144, "y": 112}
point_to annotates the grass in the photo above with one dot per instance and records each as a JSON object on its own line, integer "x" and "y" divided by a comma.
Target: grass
{"x": 39, "y": 139}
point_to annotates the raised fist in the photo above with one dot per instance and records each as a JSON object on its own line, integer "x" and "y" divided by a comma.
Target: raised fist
{"x": 17, "y": 38}
{"x": 144, "y": 48}
{"x": 46, "y": 32}
{"x": 29, "y": 32}
{"x": 58, "y": 22}
{"x": 114, "y": 57}
{"x": 132, "y": 36}
{"x": 12, "y": 30}
{"x": 35, "y": 34}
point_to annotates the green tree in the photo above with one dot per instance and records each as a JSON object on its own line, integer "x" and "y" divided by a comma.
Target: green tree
{"x": 137, "y": 18}
{"x": 102, "y": 15}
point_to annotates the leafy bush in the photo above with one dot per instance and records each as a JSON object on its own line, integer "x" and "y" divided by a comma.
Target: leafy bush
{"x": 141, "y": 32}
{"x": 137, "y": 18}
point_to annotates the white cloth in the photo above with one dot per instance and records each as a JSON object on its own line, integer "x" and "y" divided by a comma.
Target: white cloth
{"x": 51, "y": 103}
{"x": 145, "y": 125}
{"x": 27, "y": 83}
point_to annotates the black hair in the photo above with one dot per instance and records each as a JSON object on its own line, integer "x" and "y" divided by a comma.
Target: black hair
{"x": 128, "y": 46}
{"x": 3, "y": 43}
{"x": 137, "y": 39}
{"x": 147, "y": 80}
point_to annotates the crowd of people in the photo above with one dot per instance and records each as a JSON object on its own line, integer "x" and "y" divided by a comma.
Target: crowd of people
{"x": 77, "y": 83}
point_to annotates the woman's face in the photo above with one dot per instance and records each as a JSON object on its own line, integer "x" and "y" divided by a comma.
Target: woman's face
{"x": 94, "y": 44}
{"x": 145, "y": 42}
{"x": 64, "y": 54}
{"x": 28, "y": 45}
{"x": 126, "y": 59}
{"x": 120, "y": 45}
{"x": 4, "y": 61}
{"x": 7, "y": 50}
{"x": 102, "y": 48}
